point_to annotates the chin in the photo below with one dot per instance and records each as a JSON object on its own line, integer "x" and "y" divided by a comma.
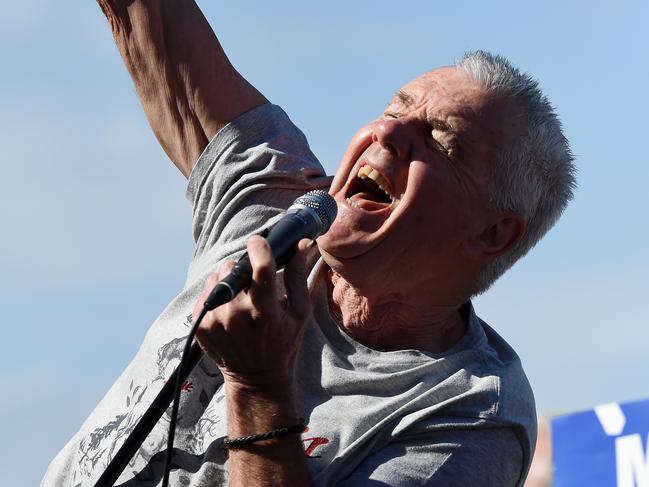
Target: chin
{"x": 348, "y": 261}
{"x": 331, "y": 249}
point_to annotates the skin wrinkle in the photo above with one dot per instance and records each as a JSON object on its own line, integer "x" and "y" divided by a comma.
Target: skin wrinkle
{"x": 181, "y": 109}
{"x": 448, "y": 141}
{"x": 373, "y": 324}
{"x": 408, "y": 101}
{"x": 150, "y": 86}
{"x": 107, "y": 7}
{"x": 392, "y": 288}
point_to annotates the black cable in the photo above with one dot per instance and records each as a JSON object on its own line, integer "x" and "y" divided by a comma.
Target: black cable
{"x": 174, "y": 409}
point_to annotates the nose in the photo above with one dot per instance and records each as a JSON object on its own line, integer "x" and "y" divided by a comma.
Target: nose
{"x": 393, "y": 135}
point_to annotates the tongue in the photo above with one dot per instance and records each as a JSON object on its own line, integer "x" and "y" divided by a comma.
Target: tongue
{"x": 363, "y": 200}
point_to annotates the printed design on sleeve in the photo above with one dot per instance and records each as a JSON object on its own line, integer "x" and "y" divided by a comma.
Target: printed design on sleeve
{"x": 197, "y": 421}
{"x": 312, "y": 444}
{"x": 183, "y": 465}
{"x": 102, "y": 442}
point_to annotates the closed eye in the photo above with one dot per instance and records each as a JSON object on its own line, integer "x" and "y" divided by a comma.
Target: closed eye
{"x": 436, "y": 145}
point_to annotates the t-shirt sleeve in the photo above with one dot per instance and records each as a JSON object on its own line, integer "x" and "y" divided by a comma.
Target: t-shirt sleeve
{"x": 484, "y": 457}
{"x": 251, "y": 171}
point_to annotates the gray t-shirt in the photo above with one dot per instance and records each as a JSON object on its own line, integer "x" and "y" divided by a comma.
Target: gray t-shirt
{"x": 404, "y": 418}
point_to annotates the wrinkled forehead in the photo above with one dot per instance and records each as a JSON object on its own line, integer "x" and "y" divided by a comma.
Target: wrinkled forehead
{"x": 485, "y": 118}
{"x": 447, "y": 88}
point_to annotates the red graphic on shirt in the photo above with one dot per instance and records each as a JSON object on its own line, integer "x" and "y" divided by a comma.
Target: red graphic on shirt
{"x": 187, "y": 386}
{"x": 311, "y": 444}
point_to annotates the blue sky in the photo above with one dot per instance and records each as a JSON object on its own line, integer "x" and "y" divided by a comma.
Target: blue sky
{"x": 96, "y": 229}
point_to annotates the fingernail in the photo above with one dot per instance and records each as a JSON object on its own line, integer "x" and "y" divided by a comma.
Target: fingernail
{"x": 308, "y": 245}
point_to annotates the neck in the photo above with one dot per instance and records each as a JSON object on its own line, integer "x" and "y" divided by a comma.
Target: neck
{"x": 391, "y": 323}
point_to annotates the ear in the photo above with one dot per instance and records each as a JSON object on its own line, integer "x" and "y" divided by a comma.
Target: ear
{"x": 496, "y": 239}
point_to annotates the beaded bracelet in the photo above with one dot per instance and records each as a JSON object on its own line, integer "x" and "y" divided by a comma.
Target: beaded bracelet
{"x": 244, "y": 440}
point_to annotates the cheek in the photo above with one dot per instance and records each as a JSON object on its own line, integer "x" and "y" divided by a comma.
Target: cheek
{"x": 439, "y": 207}
{"x": 428, "y": 185}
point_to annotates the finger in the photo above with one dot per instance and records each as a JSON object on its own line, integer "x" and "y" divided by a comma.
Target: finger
{"x": 224, "y": 269}
{"x": 210, "y": 283}
{"x": 213, "y": 279}
{"x": 263, "y": 294}
{"x": 295, "y": 280}
{"x": 211, "y": 336}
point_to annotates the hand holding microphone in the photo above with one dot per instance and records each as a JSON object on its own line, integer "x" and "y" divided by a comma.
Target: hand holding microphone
{"x": 309, "y": 216}
{"x": 254, "y": 338}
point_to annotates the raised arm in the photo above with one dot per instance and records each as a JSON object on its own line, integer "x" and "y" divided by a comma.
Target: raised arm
{"x": 187, "y": 86}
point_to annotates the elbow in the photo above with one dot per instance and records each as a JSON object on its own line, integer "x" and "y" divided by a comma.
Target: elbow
{"x": 116, "y": 13}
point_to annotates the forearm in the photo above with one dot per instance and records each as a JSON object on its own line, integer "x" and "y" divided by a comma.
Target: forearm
{"x": 277, "y": 461}
{"x": 254, "y": 341}
{"x": 186, "y": 85}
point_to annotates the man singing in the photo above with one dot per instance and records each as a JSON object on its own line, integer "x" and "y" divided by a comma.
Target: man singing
{"x": 368, "y": 338}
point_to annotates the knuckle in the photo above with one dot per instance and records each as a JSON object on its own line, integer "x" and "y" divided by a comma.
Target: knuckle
{"x": 224, "y": 268}
{"x": 207, "y": 326}
{"x": 258, "y": 241}
{"x": 235, "y": 313}
{"x": 228, "y": 314}
{"x": 265, "y": 269}
{"x": 259, "y": 251}
{"x": 262, "y": 315}
{"x": 211, "y": 281}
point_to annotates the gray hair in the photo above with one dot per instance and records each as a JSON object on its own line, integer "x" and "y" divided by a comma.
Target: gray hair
{"x": 534, "y": 175}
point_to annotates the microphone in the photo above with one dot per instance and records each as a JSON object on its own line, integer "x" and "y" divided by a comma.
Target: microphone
{"x": 309, "y": 216}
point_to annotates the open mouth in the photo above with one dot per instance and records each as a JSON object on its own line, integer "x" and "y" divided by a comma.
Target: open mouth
{"x": 369, "y": 190}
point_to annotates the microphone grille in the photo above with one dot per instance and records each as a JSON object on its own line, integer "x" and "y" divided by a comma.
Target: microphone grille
{"x": 323, "y": 204}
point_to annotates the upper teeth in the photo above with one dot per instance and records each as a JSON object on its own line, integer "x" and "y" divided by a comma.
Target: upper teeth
{"x": 367, "y": 172}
